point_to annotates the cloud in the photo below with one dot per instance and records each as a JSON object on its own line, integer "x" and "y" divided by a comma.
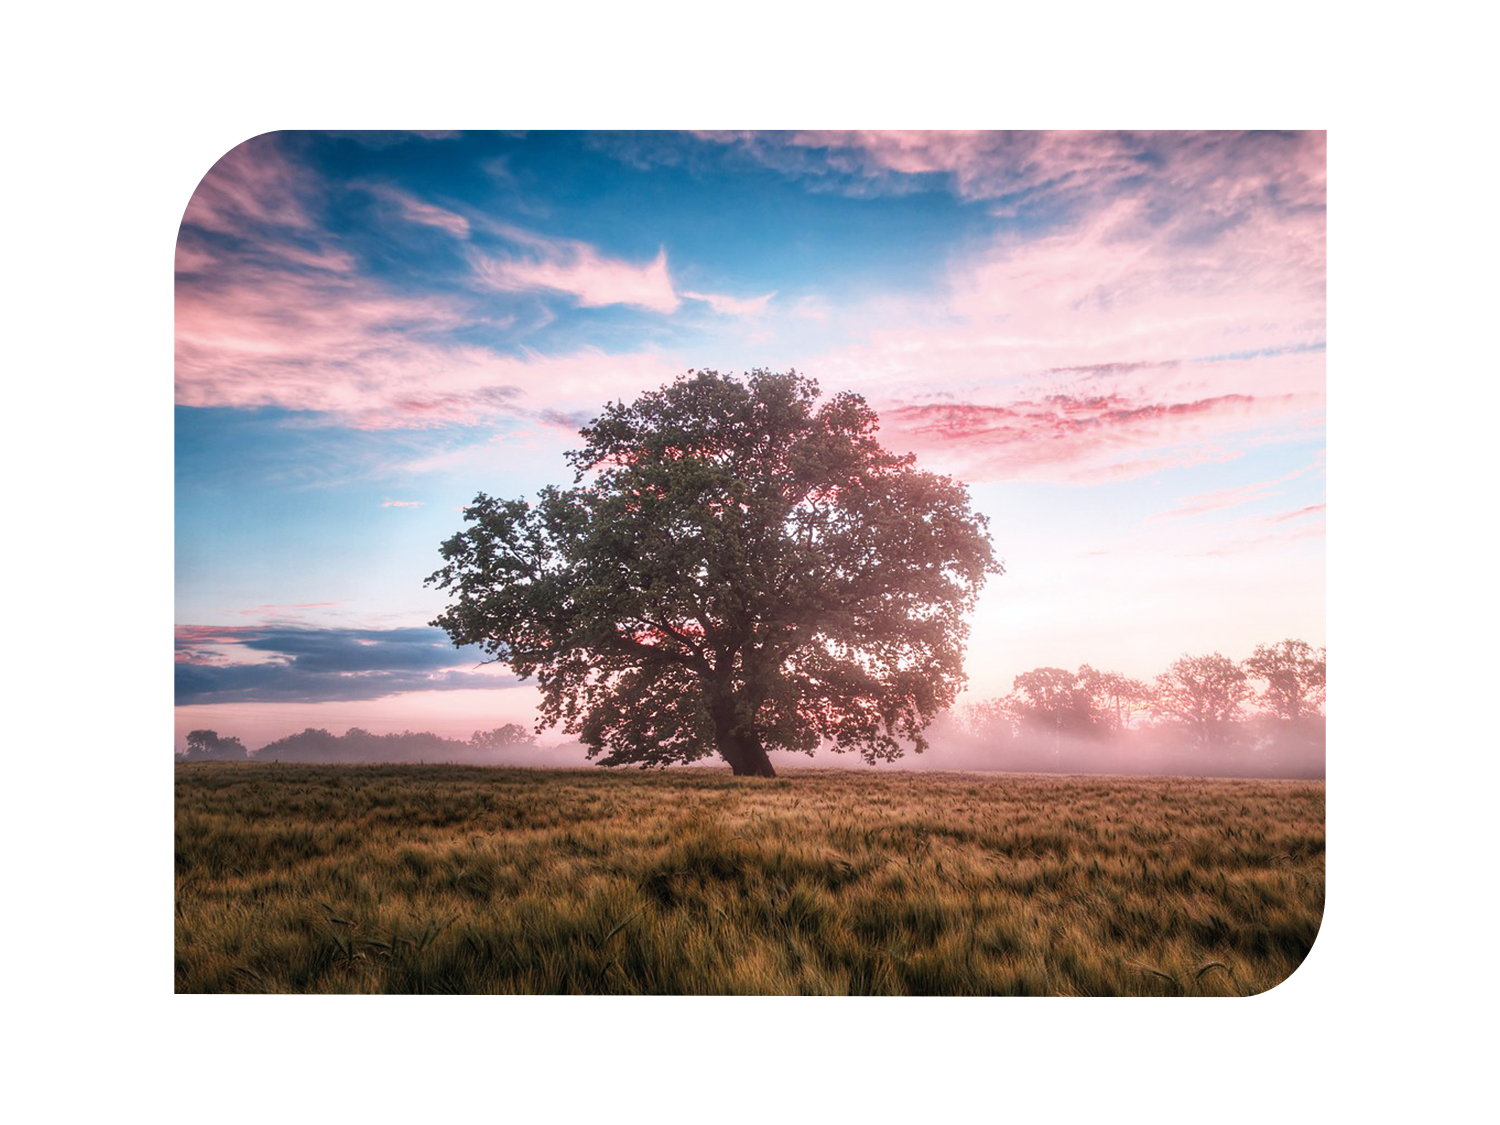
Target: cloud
{"x": 1216, "y": 176}
{"x": 1163, "y": 290}
{"x": 311, "y": 665}
{"x": 417, "y": 211}
{"x": 1301, "y": 513}
{"x": 400, "y": 503}
{"x": 1103, "y": 436}
{"x": 274, "y": 610}
{"x": 372, "y": 360}
{"x": 576, "y": 268}
{"x": 1233, "y": 497}
{"x": 341, "y": 345}
{"x": 1167, "y": 290}
{"x": 253, "y": 183}
{"x": 732, "y": 306}
{"x": 273, "y": 312}
{"x": 378, "y": 139}
{"x": 1273, "y": 531}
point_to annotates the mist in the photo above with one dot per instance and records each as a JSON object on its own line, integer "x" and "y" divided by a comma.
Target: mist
{"x": 1256, "y": 753}
{"x": 1255, "y": 748}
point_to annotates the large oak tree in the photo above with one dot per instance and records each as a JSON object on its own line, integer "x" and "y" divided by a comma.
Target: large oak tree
{"x": 738, "y": 567}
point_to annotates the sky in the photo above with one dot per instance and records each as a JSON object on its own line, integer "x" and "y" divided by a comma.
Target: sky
{"x": 1115, "y": 339}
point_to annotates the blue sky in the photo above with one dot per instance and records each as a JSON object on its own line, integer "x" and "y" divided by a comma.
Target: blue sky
{"x": 1117, "y": 340}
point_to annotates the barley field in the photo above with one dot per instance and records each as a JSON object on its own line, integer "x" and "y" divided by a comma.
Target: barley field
{"x": 463, "y": 879}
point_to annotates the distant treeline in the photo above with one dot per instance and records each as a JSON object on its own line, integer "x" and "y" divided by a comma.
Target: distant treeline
{"x": 1205, "y": 715}
{"x": 1261, "y": 716}
{"x": 511, "y": 743}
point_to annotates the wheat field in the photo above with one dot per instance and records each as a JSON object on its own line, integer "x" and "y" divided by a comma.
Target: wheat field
{"x": 462, "y": 879}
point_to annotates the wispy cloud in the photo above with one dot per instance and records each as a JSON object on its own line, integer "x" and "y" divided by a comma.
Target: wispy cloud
{"x": 360, "y": 355}
{"x": 401, "y": 503}
{"x": 1300, "y": 514}
{"x": 733, "y": 306}
{"x": 1105, "y": 436}
{"x": 274, "y": 610}
{"x": 1167, "y": 291}
{"x": 254, "y": 182}
{"x": 415, "y": 210}
{"x": 272, "y": 316}
{"x": 1222, "y": 499}
{"x": 273, "y": 310}
{"x": 576, "y": 268}
{"x": 1056, "y": 172}
{"x": 1273, "y": 531}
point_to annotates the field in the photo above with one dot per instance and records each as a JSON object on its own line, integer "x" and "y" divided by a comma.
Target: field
{"x": 461, "y": 879}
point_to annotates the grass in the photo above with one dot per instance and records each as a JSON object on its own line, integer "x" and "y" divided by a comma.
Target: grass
{"x": 462, "y": 879}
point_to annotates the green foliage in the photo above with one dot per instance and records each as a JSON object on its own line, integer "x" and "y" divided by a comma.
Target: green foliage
{"x": 399, "y": 878}
{"x": 738, "y": 567}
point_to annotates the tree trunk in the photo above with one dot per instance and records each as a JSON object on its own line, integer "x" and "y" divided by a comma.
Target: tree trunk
{"x": 749, "y": 758}
{"x": 739, "y": 746}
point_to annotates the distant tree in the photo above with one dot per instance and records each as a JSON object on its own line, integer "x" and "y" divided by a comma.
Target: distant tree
{"x": 1295, "y": 675}
{"x": 1205, "y": 694}
{"x": 737, "y": 568}
{"x": 206, "y": 745}
{"x": 988, "y": 719}
{"x": 511, "y": 734}
{"x": 315, "y": 744}
{"x": 1054, "y": 701}
{"x": 1113, "y": 698}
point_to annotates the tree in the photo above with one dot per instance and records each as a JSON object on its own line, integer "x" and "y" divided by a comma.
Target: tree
{"x": 738, "y": 567}
{"x": 206, "y": 745}
{"x": 503, "y": 737}
{"x": 1204, "y": 693}
{"x": 1112, "y": 697}
{"x": 1295, "y": 675}
{"x": 1053, "y": 701}
{"x": 990, "y": 719}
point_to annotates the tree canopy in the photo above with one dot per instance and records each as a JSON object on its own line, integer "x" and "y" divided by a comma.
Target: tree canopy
{"x": 738, "y": 567}
{"x": 1205, "y": 693}
{"x": 206, "y": 745}
{"x": 1295, "y": 675}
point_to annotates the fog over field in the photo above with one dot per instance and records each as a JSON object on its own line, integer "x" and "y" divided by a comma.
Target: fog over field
{"x": 1260, "y": 752}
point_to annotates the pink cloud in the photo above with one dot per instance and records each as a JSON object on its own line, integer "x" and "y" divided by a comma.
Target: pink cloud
{"x": 1301, "y": 513}
{"x": 343, "y": 346}
{"x": 1278, "y": 531}
{"x": 280, "y": 316}
{"x": 569, "y": 266}
{"x": 1231, "y": 497}
{"x": 810, "y": 308}
{"x": 1062, "y": 437}
{"x": 326, "y": 258}
{"x": 733, "y": 306}
{"x": 194, "y": 635}
{"x": 1178, "y": 314}
{"x": 256, "y": 182}
{"x": 417, "y": 211}
{"x": 401, "y": 503}
{"x": 1069, "y": 167}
